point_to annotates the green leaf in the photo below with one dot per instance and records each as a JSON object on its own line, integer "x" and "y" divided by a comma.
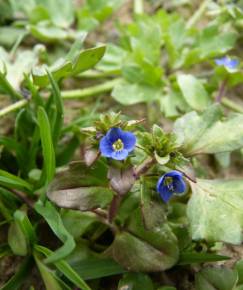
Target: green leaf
{"x": 61, "y": 11}
{"x": 87, "y": 59}
{"x": 193, "y": 92}
{"x": 97, "y": 267}
{"x": 47, "y": 145}
{"x": 54, "y": 220}
{"x": 216, "y": 279}
{"x": 187, "y": 258}
{"x": 24, "y": 61}
{"x": 45, "y": 32}
{"x": 58, "y": 70}
{"x": 26, "y": 226}
{"x": 72, "y": 65}
{"x": 200, "y": 134}
{"x": 65, "y": 268}
{"x": 239, "y": 268}
{"x": 48, "y": 276}
{"x": 135, "y": 281}
{"x": 145, "y": 250}
{"x": 21, "y": 235}
{"x": 112, "y": 59}
{"x": 20, "y": 276}
{"x": 166, "y": 288}
{"x": 131, "y": 93}
{"x": 212, "y": 43}
{"x": 215, "y": 210}
{"x": 17, "y": 240}
{"x": 77, "y": 222}
{"x": 11, "y": 181}
{"x": 58, "y": 122}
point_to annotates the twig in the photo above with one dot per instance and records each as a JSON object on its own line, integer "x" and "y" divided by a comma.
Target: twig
{"x": 23, "y": 197}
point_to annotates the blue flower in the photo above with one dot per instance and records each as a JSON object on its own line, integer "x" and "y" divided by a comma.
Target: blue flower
{"x": 169, "y": 183}
{"x": 227, "y": 62}
{"x": 117, "y": 144}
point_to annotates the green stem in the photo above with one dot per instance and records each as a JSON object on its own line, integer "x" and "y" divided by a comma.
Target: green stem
{"x": 87, "y": 92}
{"x": 138, "y": 7}
{"x": 197, "y": 15}
{"x": 92, "y": 74}
{"x": 231, "y": 105}
{"x": 72, "y": 94}
{"x": 13, "y": 107}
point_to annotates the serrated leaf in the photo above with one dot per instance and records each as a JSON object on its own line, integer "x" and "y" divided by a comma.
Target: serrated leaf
{"x": 200, "y": 134}
{"x": 215, "y": 210}
{"x": 193, "y": 92}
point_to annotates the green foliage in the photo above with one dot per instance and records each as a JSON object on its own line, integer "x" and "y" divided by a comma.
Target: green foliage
{"x": 79, "y": 219}
{"x": 214, "y": 210}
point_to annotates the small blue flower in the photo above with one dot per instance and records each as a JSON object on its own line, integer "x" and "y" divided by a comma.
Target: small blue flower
{"x": 117, "y": 144}
{"x": 227, "y": 62}
{"x": 169, "y": 183}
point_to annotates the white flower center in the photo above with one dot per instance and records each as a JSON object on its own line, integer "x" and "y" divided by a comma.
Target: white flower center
{"x": 118, "y": 145}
